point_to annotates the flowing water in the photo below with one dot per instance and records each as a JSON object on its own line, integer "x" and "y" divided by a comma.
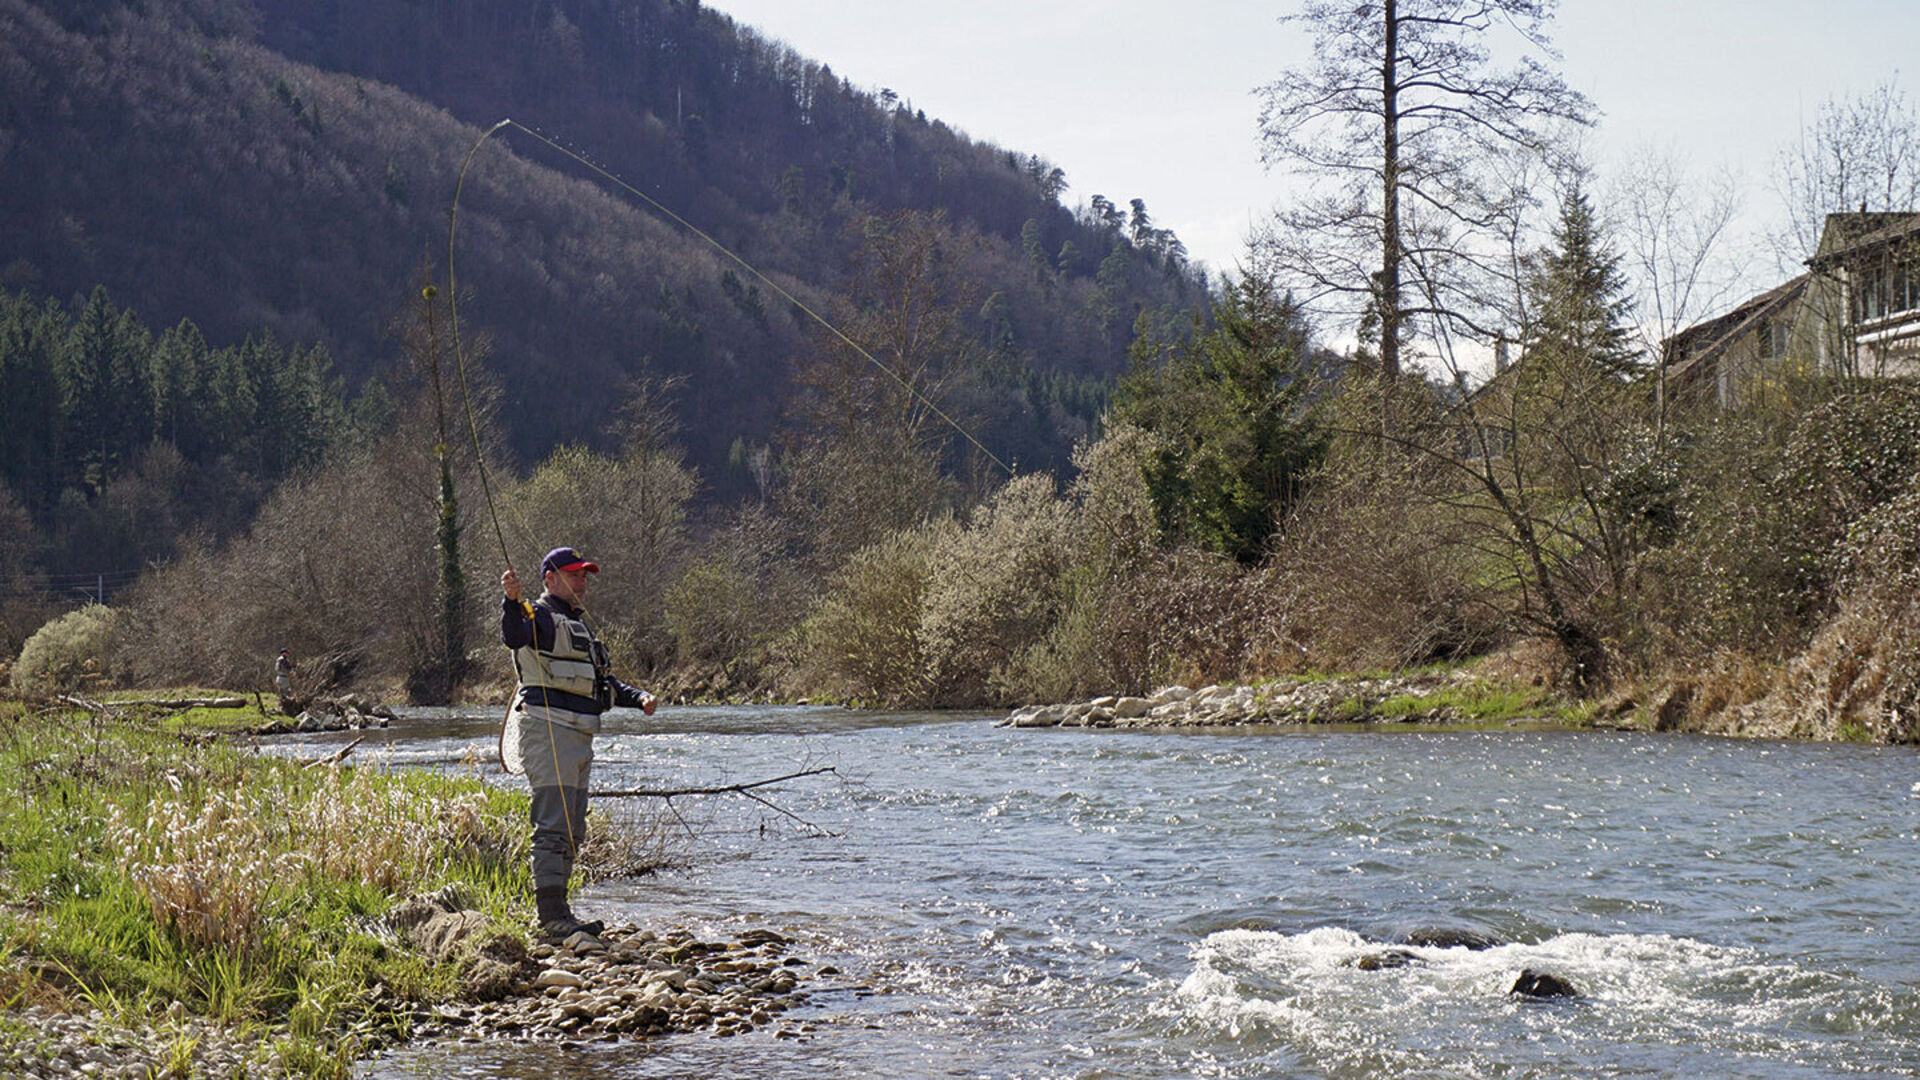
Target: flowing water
{"x": 1072, "y": 903}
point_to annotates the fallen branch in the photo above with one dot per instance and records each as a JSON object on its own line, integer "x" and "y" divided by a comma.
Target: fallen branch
{"x": 777, "y": 808}
{"x": 189, "y": 703}
{"x": 336, "y": 757}
{"x": 669, "y": 793}
{"x": 100, "y": 707}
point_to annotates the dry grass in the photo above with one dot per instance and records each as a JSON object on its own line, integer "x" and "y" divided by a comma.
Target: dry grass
{"x": 208, "y": 861}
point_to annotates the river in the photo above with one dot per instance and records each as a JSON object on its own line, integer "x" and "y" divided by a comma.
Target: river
{"x": 1088, "y": 904}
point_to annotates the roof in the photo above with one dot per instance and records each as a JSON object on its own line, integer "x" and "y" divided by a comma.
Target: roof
{"x": 1846, "y": 234}
{"x": 1717, "y": 334}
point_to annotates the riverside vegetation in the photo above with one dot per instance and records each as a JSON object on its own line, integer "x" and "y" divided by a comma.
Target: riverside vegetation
{"x": 1242, "y": 504}
{"x": 1238, "y": 518}
{"x": 172, "y": 904}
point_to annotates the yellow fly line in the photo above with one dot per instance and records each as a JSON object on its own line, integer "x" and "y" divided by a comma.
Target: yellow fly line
{"x": 667, "y": 212}
{"x": 473, "y": 427}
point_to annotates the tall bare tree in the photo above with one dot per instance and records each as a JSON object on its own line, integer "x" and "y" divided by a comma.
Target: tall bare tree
{"x": 1860, "y": 153}
{"x": 1396, "y": 124}
{"x": 871, "y": 430}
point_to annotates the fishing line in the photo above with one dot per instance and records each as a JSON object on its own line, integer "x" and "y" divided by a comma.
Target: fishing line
{"x": 486, "y": 488}
{"x": 723, "y": 249}
{"x": 460, "y": 363}
{"x": 459, "y": 355}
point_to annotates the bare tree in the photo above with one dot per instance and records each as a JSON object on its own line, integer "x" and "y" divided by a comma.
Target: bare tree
{"x": 871, "y": 427}
{"x": 1860, "y": 153}
{"x": 1397, "y": 123}
{"x": 1675, "y": 230}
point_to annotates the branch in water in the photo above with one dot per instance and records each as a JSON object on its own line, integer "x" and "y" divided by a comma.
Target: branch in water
{"x": 668, "y": 793}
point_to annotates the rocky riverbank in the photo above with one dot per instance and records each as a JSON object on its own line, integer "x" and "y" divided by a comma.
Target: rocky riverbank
{"x": 1440, "y": 698}
{"x": 627, "y": 983}
{"x": 630, "y": 983}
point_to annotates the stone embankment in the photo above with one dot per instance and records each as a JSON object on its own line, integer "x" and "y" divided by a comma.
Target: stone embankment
{"x": 42, "y": 1042}
{"x": 1322, "y": 701}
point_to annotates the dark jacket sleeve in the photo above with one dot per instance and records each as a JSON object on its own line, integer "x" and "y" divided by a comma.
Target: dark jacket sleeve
{"x": 627, "y": 697}
{"x": 515, "y": 629}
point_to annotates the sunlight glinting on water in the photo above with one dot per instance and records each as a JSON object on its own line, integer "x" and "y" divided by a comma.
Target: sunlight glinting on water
{"x": 1091, "y": 905}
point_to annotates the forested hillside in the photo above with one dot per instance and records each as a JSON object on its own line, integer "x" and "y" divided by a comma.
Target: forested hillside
{"x": 259, "y": 166}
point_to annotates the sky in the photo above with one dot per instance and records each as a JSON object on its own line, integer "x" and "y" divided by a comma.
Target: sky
{"x": 1156, "y": 99}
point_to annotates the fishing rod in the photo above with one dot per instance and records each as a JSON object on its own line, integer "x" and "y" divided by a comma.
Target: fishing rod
{"x": 486, "y": 486}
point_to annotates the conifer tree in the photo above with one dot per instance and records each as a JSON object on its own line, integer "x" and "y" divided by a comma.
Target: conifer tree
{"x": 1577, "y": 299}
{"x": 1230, "y": 408}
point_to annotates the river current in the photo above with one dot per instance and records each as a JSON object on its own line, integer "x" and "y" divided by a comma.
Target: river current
{"x": 1090, "y": 904}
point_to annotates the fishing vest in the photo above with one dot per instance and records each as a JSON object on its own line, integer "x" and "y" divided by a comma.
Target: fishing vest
{"x": 577, "y": 664}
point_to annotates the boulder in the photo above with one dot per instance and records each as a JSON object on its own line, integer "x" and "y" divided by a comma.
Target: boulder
{"x": 553, "y": 977}
{"x": 1127, "y": 708}
{"x": 1037, "y": 716}
{"x": 1542, "y": 984}
{"x": 1443, "y": 937}
{"x": 450, "y": 934}
{"x": 1381, "y": 961}
{"x": 1168, "y": 695}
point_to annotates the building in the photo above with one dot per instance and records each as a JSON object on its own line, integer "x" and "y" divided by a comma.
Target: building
{"x": 1867, "y": 274}
{"x": 1730, "y": 358}
{"x": 1855, "y": 312}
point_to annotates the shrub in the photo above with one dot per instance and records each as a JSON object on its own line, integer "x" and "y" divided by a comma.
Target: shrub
{"x": 996, "y": 590}
{"x": 863, "y": 639}
{"x": 1112, "y": 537}
{"x": 1371, "y": 575}
{"x": 630, "y": 513}
{"x": 1768, "y": 500}
{"x": 1180, "y": 616}
{"x": 67, "y": 651}
{"x": 729, "y": 605}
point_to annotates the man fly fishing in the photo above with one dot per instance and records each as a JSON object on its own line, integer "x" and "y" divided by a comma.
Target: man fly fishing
{"x": 566, "y": 682}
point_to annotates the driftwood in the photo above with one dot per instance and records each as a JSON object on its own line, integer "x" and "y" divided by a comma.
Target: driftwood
{"x": 336, "y": 757}
{"x": 189, "y": 703}
{"x": 90, "y": 706}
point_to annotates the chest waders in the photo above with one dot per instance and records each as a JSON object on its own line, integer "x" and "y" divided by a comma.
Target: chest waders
{"x": 576, "y": 665}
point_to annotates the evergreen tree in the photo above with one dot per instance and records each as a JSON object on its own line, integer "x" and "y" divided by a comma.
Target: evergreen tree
{"x": 1231, "y": 410}
{"x": 32, "y": 428}
{"x": 178, "y": 358}
{"x": 1577, "y": 300}
{"x": 105, "y": 389}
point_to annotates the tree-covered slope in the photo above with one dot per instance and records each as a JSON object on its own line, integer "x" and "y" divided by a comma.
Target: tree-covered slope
{"x": 257, "y": 165}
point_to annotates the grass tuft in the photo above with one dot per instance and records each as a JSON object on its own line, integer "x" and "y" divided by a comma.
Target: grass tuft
{"x": 140, "y": 866}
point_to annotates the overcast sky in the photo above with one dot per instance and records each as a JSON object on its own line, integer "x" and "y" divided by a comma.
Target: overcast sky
{"x": 1154, "y": 99}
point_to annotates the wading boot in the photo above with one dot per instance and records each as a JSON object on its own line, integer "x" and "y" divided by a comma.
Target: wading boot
{"x": 556, "y": 918}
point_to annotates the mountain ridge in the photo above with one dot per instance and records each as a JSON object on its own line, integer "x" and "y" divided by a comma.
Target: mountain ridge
{"x": 172, "y": 152}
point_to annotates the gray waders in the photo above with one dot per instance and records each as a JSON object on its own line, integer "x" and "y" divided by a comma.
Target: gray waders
{"x": 554, "y": 748}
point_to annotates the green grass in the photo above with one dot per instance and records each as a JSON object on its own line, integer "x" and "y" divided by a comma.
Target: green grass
{"x": 142, "y": 862}
{"x": 1483, "y": 702}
